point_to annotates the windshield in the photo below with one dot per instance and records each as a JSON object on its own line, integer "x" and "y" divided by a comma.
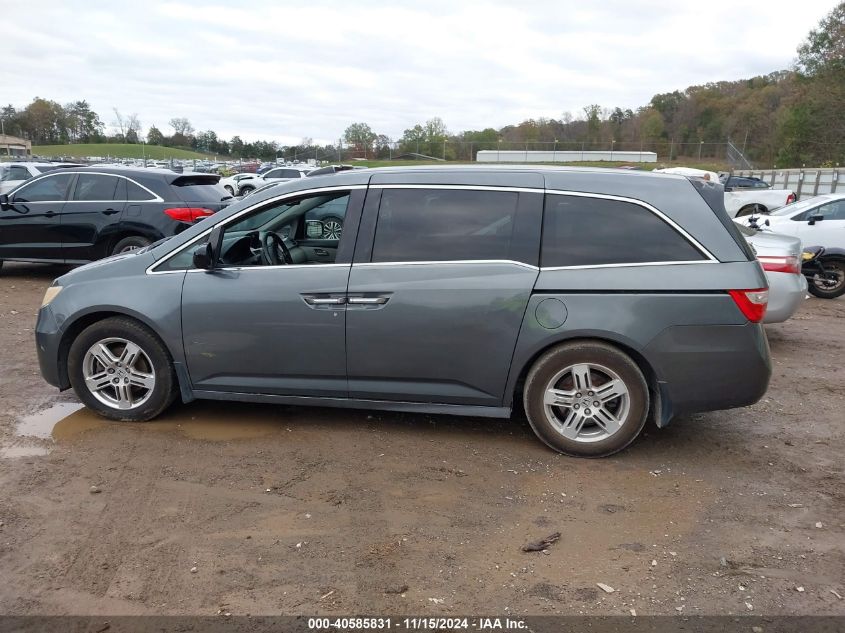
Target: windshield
{"x": 801, "y": 205}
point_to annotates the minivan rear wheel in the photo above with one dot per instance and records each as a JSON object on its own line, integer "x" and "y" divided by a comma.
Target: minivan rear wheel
{"x": 121, "y": 370}
{"x": 586, "y": 399}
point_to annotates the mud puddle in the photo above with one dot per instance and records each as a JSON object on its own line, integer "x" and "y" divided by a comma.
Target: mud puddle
{"x": 36, "y": 434}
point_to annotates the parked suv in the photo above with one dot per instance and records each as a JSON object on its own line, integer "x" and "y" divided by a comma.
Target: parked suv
{"x": 77, "y": 215}
{"x": 595, "y": 299}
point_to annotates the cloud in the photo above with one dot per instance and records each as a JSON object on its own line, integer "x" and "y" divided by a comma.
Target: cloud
{"x": 285, "y": 71}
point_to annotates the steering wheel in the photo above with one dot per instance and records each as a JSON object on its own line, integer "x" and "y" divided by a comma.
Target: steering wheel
{"x": 271, "y": 244}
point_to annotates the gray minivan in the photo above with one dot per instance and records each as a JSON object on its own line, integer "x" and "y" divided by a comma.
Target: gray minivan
{"x": 598, "y": 299}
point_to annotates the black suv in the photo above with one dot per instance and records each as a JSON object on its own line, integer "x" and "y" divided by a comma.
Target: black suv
{"x": 83, "y": 214}
{"x": 743, "y": 182}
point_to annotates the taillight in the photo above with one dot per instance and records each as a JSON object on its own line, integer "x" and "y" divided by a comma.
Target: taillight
{"x": 188, "y": 214}
{"x": 789, "y": 264}
{"x": 752, "y": 303}
{"x": 791, "y": 198}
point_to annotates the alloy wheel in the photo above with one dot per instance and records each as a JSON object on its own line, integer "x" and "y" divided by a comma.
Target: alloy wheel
{"x": 118, "y": 373}
{"x": 586, "y": 402}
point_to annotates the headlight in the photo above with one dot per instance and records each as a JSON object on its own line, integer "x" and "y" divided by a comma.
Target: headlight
{"x": 52, "y": 293}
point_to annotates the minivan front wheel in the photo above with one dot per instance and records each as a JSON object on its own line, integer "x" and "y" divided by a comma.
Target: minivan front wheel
{"x": 120, "y": 369}
{"x": 586, "y": 399}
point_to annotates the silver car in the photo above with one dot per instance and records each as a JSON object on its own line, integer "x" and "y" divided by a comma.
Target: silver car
{"x": 780, "y": 257}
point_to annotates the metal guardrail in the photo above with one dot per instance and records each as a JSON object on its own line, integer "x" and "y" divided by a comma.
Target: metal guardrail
{"x": 804, "y": 181}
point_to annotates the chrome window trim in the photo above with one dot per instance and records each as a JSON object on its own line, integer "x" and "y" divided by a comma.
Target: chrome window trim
{"x": 227, "y": 221}
{"x": 250, "y": 268}
{"x": 55, "y": 172}
{"x": 447, "y": 262}
{"x": 645, "y": 205}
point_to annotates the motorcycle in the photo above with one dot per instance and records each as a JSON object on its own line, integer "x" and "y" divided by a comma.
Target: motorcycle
{"x": 824, "y": 269}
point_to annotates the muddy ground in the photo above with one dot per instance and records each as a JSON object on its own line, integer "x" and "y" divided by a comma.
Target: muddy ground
{"x": 240, "y": 509}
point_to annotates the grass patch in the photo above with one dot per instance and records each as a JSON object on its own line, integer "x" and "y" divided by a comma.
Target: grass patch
{"x": 115, "y": 150}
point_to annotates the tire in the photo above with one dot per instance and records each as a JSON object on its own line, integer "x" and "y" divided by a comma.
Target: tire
{"x": 131, "y": 243}
{"x": 832, "y": 265}
{"x": 229, "y": 189}
{"x": 246, "y": 189}
{"x": 582, "y": 429}
{"x": 151, "y": 359}
{"x": 751, "y": 209}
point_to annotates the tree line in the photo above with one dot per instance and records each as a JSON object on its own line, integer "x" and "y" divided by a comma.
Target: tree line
{"x": 789, "y": 117}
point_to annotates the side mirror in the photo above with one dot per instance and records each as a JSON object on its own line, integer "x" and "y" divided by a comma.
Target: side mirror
{"x": 207, "y": 255}
{"x": 204, "y": 257}
{"x": 814, "y": 218}
{"x": 4, "y": 201}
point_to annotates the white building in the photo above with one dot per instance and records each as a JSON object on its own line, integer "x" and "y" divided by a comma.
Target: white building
{"x": 561, "y": 156}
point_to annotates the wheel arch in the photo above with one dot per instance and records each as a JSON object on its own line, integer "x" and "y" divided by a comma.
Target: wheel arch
{"x": 658, "y": 410}
{"x": 72, "y": 330}
{"x": 110, "y": 241}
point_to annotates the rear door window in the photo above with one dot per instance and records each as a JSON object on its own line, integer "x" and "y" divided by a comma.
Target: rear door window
{"x": 585, "y": 231}
{"x": 96, "y": 187}
{"x": 444, "y": 225}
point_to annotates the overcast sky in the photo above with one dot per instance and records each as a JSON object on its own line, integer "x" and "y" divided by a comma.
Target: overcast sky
{"x": 309, "y": 68}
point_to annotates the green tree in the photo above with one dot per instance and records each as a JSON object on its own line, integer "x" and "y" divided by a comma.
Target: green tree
{"x": 360, "y": 136}
{"x": 824, "y": 48}
{"x": 154, "y": 136}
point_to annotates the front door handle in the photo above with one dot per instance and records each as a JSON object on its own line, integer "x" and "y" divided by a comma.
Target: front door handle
{"x": 370, "y": 301}
{"x": 50, "y": 214}
{"x": 321, "y": 301}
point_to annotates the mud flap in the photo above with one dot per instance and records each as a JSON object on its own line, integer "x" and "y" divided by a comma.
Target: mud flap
{"x": 185, "y": 388}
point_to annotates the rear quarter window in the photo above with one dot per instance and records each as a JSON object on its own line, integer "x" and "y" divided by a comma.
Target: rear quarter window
{"x": 584, "y": 231}
{"x": 199, "y": 189}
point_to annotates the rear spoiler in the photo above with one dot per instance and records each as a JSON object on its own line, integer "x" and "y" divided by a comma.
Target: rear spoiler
{"x": 184, "y": 180}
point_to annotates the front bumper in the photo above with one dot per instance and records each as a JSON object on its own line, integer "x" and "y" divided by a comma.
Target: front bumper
{"x": 47, "y": 342}
{"x": 787, "y": 292}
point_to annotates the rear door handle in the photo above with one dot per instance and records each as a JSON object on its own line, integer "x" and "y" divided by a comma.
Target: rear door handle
{"x": 316, "y": 302}
{"x": 377, "y": 301}
{"x": 50, "y": 214}
{"x": 110, "y": 211}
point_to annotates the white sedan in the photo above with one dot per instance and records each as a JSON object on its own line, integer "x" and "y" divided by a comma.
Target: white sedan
{"x": 232, "y": 184}
{"x": 818, "y": 221}
{"x": 278, "y": 174}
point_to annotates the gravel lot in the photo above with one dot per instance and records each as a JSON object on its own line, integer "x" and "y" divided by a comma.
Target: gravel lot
{"x": 220, "y": 508}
